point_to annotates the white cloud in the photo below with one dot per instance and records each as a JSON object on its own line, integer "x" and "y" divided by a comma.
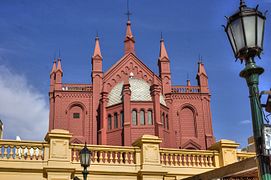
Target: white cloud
{"x": 245, "y": 122}
{"x": 23, "y": 109}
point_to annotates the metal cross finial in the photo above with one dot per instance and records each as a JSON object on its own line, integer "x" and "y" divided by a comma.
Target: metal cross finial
{"x": 242, "y": 3}
{"x": 200, "y": 58}
{"x": 97, "y": 35}
{"x": 128, "y": 11}
{"x": 162, "y": 36}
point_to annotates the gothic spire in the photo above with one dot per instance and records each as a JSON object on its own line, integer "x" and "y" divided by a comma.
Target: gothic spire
{"x": 129, "y": 41}
{"x": 53, "y": 68}
{"x": 201, "y": 69}
{"x": 163, "y": 51}
{"x": 97, "y": 49}
{"x": 59, "y": 68}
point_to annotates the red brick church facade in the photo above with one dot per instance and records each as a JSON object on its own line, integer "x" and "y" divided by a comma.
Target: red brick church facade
{"x": 129, "y": 100}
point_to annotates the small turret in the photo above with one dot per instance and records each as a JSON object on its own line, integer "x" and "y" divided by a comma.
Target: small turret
{"x": 129, "y": 41}
{"x": 164, "y": 67}
{"x": 59, "y": 75}
{"x": 53, "y": 77}
{"x": 97, "y": 59}
{"x": 202, "y": 78}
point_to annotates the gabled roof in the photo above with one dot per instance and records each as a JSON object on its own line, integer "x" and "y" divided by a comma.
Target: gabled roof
{"x": 119, "y": 64}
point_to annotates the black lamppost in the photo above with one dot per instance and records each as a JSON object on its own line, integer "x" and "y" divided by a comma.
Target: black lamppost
{"x": 85, "y": 155}
{"x": 245, "y": 30}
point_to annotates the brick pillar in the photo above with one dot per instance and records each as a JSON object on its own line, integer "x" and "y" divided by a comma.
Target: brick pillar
{"x": 52, "y": 110}
{"x": 103, "y": 134}
{"x": 172, "y": 140}
{"x": 155, "y": 93}
{"x": 127, "y": 113}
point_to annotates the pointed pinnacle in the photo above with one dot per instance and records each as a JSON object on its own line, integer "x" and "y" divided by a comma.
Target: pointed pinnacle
{"x": 163, "y": 51}
{"x": 59, "y": 67}
{"x": 53, "y": 68}
{"x": 97, "y": 49}
{"x": 128, "y": 30}
{"x": 201, "y": 69}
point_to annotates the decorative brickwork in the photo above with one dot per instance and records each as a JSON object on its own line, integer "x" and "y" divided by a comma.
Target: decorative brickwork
{"x": 130, "y": 100}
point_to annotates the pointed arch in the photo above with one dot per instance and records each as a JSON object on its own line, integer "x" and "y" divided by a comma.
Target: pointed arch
{"x": 188, "y": 121}
{"x": 76, "y": 114}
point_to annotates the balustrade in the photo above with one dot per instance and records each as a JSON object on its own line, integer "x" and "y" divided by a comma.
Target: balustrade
{"x": 187, "y": 158}
{"x": 185, "y": 89}
{"x": 21, "y": 150}
{"x": 107, "y": 154}
{"x": 76, "y": 87}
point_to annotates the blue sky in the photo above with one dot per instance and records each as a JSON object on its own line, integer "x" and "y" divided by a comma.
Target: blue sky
{"x": 31, "y": 32}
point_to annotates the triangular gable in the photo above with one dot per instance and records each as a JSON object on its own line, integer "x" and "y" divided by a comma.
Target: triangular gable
{"x": 190, "y": 144}
{"x": 128, "y": 63}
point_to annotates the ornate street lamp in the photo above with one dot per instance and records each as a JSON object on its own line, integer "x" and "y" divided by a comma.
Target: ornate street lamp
{"x": 85, "y": 155}
{"x": 245, "y": 30}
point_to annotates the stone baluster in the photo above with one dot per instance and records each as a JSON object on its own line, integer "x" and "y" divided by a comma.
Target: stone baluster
{"x": 202, "y": 160}
{"x": 205, "y": 161}
{"x": 193, "y": 159}
{"x": 101, "y": 157}
{"x": 126, "y": 158}
{"x": 105, "y": 157}
{"x": 11, "y": 154}
{"x": 74, "y": 155}
{"x": 116, "y": 157}
{"x": 162, "y": 158}
{"x": 5, "y": 151}
{"x": 26, "y": 153}
{"x": 95, "y": 160}
{"x": 31, "y": 152}
{"x": 132, "y": 158}
{"x": 176, "y": 163}
{"x": 171, "y": 159}
{"x": 121, "y": 157}
{"x": 37, "y": 153}
{"x": 189, "y": 160}
{"x": 166, "y": 159}
{"x": 197, "y": 160}
{"x": 111, "y": 157}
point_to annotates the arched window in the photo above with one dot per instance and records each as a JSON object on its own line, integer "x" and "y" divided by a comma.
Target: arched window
{"x": 142, "y": 117}
{"x": 163, "y": 119}
{"x": 109, "y": 122}
{"x": 188, "y": 120}
{"x": 150, "y": 117}
{"x": 121, "y": 118}
{"x": 134, "y": 117}
{"x": 167, "y": 123}
{"x": 116, "y": 120}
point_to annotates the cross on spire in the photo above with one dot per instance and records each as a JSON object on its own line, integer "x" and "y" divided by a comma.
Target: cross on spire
{"x": 128, "y": 11}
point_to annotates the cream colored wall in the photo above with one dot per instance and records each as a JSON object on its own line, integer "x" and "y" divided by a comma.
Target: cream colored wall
{"x": 21, "y": 176}
{"x": 57, "y": 159}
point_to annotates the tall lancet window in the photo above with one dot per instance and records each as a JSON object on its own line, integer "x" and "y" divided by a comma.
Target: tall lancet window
{"x": 116, "y": 120}
{"x": 142, "y": 117}
{"x": 163, "y": 119}
{"x": 167, "y": 123}
{"x": 150, "y": 117}
{"x": 134, "y": 117}
{"x": 109, "y": 122}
